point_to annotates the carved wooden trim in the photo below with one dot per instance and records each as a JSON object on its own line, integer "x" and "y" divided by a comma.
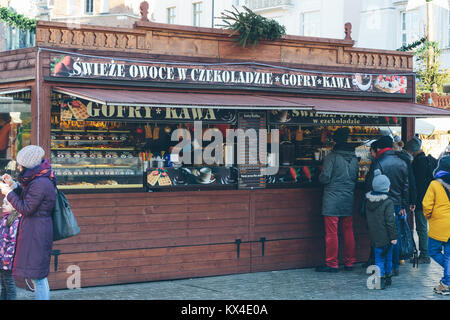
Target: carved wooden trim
{"x": 148, "y": 37}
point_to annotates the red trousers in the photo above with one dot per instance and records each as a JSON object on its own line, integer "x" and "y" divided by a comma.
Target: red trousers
{"x": 331, "y": 241}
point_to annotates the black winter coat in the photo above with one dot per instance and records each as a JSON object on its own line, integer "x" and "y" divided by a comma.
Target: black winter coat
{"x": 411, "y": 178}
{"x": 397, "y": 171}
{"x": 422, "y": 177}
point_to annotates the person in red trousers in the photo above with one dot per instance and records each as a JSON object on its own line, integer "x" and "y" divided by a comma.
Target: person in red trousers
{"x": 339, "y": 176}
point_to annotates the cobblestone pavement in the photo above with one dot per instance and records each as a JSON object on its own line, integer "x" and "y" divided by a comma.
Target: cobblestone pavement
{"x": 296, "y": 284}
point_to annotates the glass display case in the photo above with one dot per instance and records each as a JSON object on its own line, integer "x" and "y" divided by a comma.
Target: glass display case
{"x": 96, "y": 155}
{"x": 97, "y": 170}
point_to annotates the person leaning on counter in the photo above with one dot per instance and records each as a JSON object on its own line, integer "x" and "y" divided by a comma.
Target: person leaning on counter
{"x": 339, "y": 176}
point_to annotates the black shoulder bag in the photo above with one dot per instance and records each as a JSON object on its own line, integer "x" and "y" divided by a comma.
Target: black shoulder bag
{"x": 64, "y": 223}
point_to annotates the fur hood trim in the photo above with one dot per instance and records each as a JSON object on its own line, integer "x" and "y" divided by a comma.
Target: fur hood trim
{"x": 446, "y": 185}
{"x": 374, "y": 198}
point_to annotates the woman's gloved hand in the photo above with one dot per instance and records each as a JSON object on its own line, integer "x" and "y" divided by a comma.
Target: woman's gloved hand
{"x": 5, "y": 188}
{"x": 9, "y": 181}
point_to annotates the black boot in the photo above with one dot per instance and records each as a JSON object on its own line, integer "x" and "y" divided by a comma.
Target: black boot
{"x": 382, "y": 283}
{"x": 388, "y": 280}
{"x": 326, "y": 268}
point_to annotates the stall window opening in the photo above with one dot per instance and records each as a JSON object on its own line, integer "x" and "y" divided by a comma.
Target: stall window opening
{"x": 15, "y": 127}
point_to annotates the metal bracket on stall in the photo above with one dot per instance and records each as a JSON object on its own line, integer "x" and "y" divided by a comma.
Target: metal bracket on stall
{"x": 263, "y": 240}
{"x": 56, "y": 253}
{"x": 238, "y": 246}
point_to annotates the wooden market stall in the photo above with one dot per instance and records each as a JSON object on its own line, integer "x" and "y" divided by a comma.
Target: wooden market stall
{"x": 104, "y": 100}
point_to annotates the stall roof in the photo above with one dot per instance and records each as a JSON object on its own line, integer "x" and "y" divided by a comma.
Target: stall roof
{"x": 242, "y": 101}
{"x": 14, "y": 90}
{"x": 181, "y": 99}
{"x": 9, "y": 104}
{"x": 373, "y": 108}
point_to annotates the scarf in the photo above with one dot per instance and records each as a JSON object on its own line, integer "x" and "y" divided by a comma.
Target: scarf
{"x": 381, "y": 151}
{"x": 42, "y": 170}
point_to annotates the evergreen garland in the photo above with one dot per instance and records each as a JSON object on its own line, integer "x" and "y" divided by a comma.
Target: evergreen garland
{"x": 251, "y": 27}
{"x": 17, "y": 20}
{"x": 412, "y": 45}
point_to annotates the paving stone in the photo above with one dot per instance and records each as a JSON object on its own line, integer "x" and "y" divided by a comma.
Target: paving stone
{"x": 296, "y": 284}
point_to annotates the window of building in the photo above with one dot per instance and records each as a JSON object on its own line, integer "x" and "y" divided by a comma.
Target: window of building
{"x": 412, "y": 26}
{"x": 17, "y": 38}
{"x": 89, "y": 8}
{"x": 404, "y": 31}
{"x": 310, "y": 24}
{"x": 197, "y": 13}
{"x": 171, "y": 15}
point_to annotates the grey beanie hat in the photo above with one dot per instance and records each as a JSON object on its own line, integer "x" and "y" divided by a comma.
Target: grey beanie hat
{"x": 413, "y": 145}
{"x": 30, "y": 156}
{"x": 380, "y": 182}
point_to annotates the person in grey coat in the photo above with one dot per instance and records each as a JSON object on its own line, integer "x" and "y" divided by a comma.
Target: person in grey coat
{"x": 339, "y": 176}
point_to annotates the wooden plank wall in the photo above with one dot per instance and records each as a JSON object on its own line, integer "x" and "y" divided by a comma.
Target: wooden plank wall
{"x": 154, "y": 236}
{"x": 294, "y": 230}
{"x": 141, "y": 237}
{"x": 17, "y": 65}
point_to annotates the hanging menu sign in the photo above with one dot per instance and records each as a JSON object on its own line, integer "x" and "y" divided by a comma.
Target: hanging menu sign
{"x": 250, "y": 173}
{"x": 325, "y": 119}
{"x": 228, "y": 75}
{"x": 84, "y": 110}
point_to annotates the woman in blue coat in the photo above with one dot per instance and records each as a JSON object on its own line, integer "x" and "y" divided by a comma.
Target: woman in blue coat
{"x": 34, "y": 197}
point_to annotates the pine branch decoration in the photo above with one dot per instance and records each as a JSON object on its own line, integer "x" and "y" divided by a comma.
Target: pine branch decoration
{"x": 412, "y": 45}
{"x": 251, "y": 27}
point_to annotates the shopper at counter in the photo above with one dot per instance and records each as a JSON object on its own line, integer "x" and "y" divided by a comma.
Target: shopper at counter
{"x": 423, "y": 167}
{"x": 407, "y": 158}
{"x": 34, "y": 199}
{"x": 339, "y": 176}
{"x": 397, "y": 171}
{"x": 373, "y": 154}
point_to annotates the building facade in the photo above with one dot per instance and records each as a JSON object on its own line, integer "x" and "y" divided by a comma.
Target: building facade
{"x": 377, "y": 24}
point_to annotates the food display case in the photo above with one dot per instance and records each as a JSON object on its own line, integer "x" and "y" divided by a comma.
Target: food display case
{"x": 95, "y": 155}
{"x": 95, "y": 170}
